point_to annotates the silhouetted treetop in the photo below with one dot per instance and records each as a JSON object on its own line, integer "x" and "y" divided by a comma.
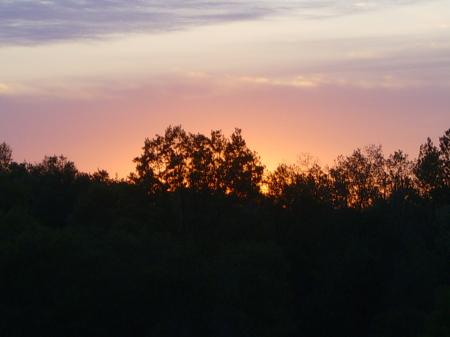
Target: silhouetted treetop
{"x": 433, "y": 168}
{"x": 5, "y": 156}
{"x": 184, "y": 160}
{"x": 188, "y": 246}
{"x": 55, "y": 165}
{"x": 299, "y": 184}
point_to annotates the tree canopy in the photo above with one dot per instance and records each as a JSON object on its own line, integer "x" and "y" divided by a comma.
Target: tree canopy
{"x": 5, "y": 156}
{"x": 194, "y": 161}
{"x": 202, "y": 240}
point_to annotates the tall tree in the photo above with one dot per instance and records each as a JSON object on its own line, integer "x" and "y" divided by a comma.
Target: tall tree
{"x": 359, "y": 179}
{"x": 55, "y": 183}
{"x": 302, "y": 183}
{"x": 433, "y": 169}
{"x": 5, "y": 156}
{"x": 444, "y": 147}
{"x": 194, "y": 161}
{"x": 162, "y": 166}
{"x": 243, "y": 168}
{"x": 399, "y": 170}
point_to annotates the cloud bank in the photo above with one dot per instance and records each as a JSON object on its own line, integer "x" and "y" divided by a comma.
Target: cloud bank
{"x": 27, "y": 22}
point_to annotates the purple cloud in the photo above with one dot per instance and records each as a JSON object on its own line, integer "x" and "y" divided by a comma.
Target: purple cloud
{"x": 35, "y": 22}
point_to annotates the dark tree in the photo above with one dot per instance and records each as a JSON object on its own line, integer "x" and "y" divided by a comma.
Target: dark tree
{"x": 359, "y": 179}
{"x": 444, "y": 147}
{"x": 5, "y": 156}
{"x": 194, "y": 161}
{"x": 433, "y": 169}
{"x": 429, "y": 168}
{"x": 55, "y": 183}
{"x": 399, "y": 169}
{"x": 101, "y": 176}
{"x": 299, "y": 185}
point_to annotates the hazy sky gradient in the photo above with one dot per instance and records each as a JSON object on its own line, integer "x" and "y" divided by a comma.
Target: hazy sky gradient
{"x": 92, "y": 79}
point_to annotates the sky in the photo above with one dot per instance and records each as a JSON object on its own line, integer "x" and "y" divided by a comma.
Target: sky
{"x": 92, "y": 79}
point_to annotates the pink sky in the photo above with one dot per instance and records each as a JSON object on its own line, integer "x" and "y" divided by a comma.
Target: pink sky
{"x": 295, "y": 78}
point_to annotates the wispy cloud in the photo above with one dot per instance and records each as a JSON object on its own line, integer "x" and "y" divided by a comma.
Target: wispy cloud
{"x": 35, "y": 22}
{"x": 380, "y": 79}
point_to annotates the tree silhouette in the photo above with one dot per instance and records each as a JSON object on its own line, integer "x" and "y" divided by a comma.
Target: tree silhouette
{"x": 5, "y": 156}
{"x": 444, "y": 147}
{"x": 196, "y": 162}
{"x": 433, "y": 169}
{"x": 299, "y": 185}
{"x": 399, "y": 172}
{"x": 188, "y": 246}
{"x": 54, "y": 182}
{"x": 359, "y": 179}
{"x": 429, "y": 167}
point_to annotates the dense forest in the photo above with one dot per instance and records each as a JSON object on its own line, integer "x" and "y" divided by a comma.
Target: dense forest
{"x": 202, "y": 240}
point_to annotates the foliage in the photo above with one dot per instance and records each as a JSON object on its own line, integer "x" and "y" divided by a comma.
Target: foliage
{"x": 180, "y": 160}
{"x": 433, "y": 169}
{"x": 5, "y": 156}
{"x": 190, "y": 245}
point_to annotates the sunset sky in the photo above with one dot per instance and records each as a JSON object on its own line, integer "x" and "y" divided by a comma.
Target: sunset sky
{"x": 92, "y": 79}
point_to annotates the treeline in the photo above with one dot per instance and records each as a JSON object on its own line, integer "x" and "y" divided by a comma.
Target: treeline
{"x": 201, "y": 240}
